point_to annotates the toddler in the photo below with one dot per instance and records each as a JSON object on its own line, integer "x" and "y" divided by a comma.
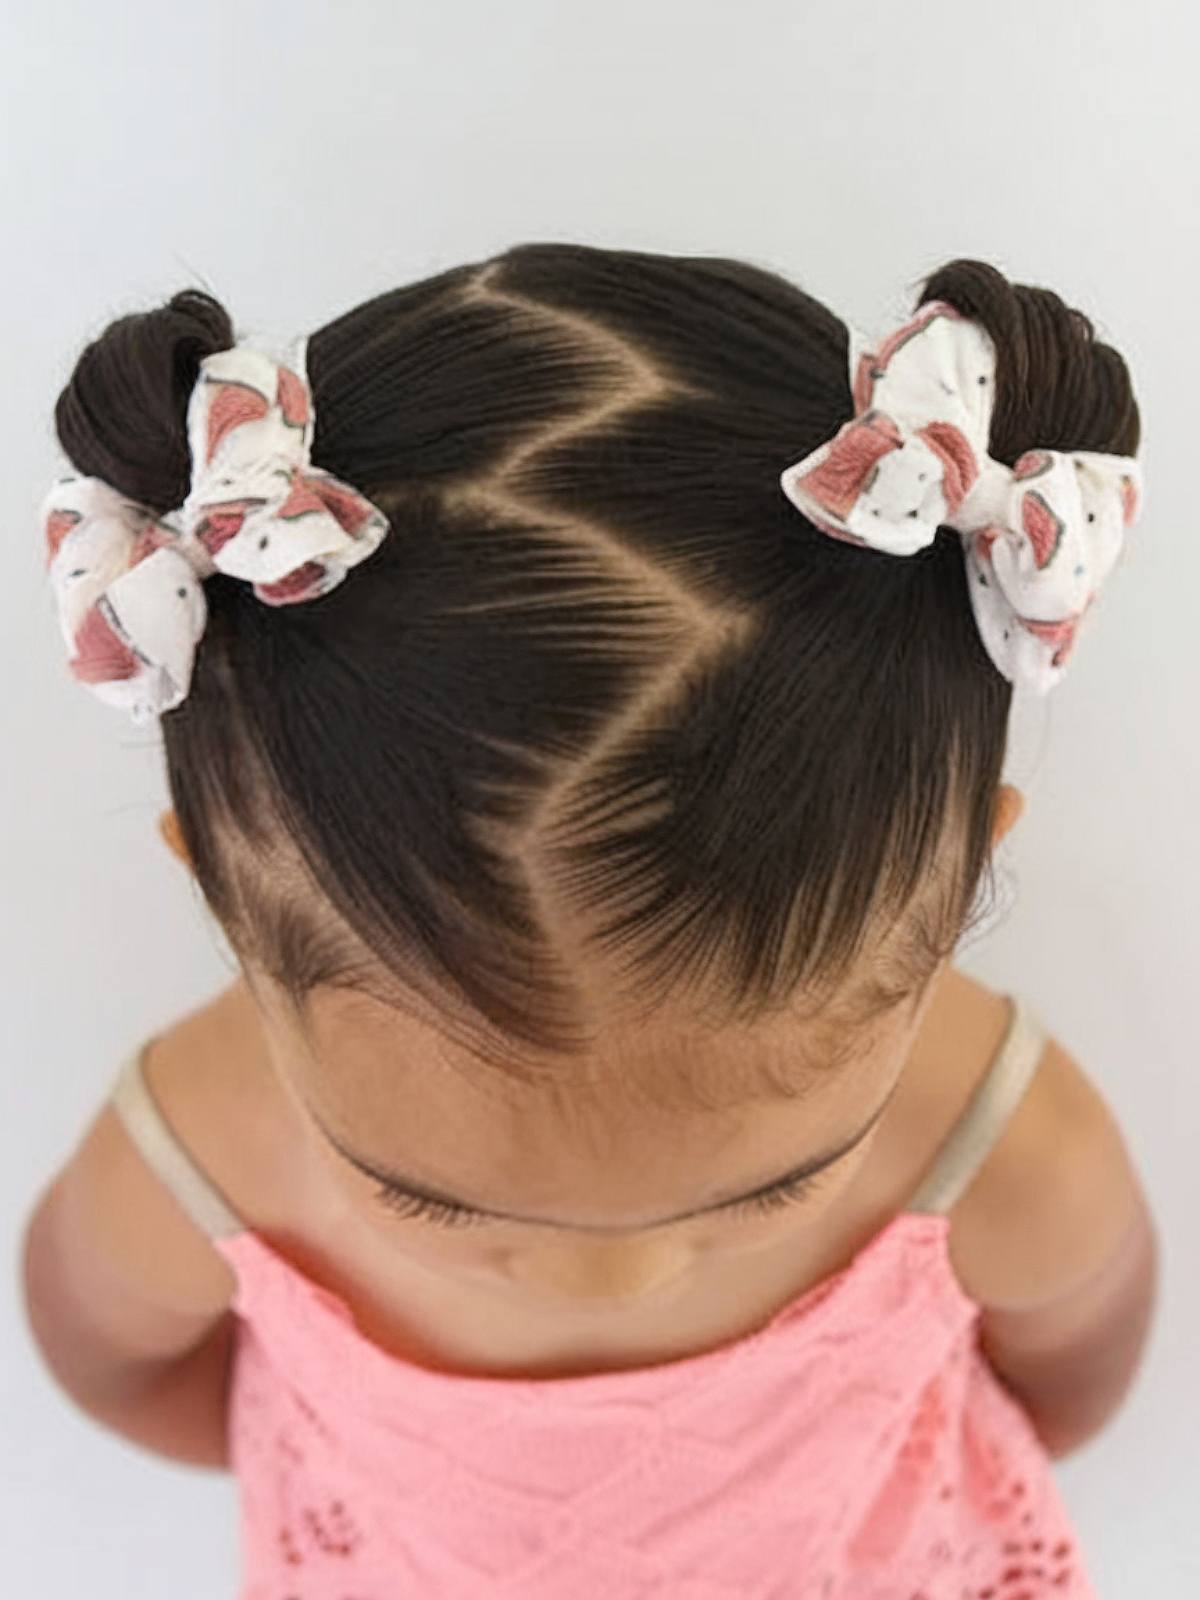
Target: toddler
{"x": 584, "y": 680}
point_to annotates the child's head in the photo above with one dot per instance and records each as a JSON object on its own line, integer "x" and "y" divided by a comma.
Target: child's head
{"x": 591, "y": 849}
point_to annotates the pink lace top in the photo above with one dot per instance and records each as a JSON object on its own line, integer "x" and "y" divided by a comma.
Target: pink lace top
{"x": 855, "y": 1447}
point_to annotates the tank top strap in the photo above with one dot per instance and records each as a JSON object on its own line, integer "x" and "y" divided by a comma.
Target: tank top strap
{"x": 160, "y": 1146}
{"x": 980, "y": 1126}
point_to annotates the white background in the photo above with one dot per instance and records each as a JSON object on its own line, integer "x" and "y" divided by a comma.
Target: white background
{"x": 296, "y": 159}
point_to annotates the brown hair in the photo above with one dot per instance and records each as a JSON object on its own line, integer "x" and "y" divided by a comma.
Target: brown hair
{"x": 602, "y": 693}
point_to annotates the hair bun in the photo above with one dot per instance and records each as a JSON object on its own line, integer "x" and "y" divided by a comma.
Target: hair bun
{"x": 123, "y": 413}
{"x": 1058, "y": 387}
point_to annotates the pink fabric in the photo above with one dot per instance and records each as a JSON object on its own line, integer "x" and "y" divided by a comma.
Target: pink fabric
{"x": 857, "y": 1445}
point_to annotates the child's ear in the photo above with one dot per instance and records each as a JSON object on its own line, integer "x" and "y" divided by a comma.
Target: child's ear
{"x": 1010, "y": 803}
{"x": 168, "y": 826}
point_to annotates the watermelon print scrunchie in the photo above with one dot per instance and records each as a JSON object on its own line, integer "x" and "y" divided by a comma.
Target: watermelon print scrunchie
{"x": 1039, "y": 540}
{"x": 129, "y": 584}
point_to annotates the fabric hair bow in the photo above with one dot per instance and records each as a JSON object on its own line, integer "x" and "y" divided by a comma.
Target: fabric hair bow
{"x": 129, "y": 584}
{"x": 1039, "y": 539}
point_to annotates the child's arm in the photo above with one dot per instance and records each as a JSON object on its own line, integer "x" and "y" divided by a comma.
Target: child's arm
{"x": 1056, "y": 1241}
{"x": 128, "y": 1301}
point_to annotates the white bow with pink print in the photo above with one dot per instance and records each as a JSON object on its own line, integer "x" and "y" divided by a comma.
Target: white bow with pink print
{"x": 1039, "y": 539}
{"x": 128, "y": 583}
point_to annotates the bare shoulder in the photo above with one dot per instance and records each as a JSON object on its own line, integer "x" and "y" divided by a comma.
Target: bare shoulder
{"x": 1058, "y": 1195}
{"x": 116, "y": 1269}
{"x": 210, "y": 1074}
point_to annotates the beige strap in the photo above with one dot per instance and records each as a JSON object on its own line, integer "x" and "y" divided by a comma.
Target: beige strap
{"x": 163, "y": 1152}
{"x": 995, "y": 1099}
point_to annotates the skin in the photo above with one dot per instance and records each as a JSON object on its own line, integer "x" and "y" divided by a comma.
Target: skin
{"x": 593, "y": 1175}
